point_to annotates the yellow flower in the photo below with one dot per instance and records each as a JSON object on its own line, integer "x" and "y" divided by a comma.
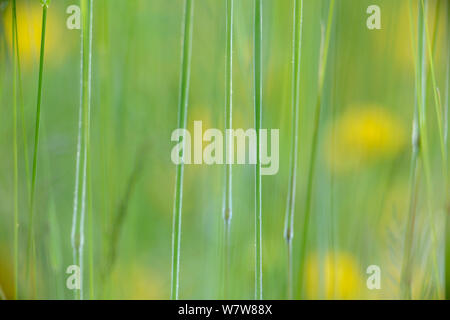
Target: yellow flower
{"x": 137, "y": 282}
{"x": 332, "y": 276}
{"x": 364, "y": 134}
{"x": 29, "y": 24}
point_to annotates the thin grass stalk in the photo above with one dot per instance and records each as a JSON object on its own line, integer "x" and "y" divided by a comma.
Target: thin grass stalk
{"x": 333, "y": 111}
{"x": 314, "y": 143}
{"x": 87, "y": 198}
{"x": 405, "y": 280}
{"x": 31, "y": 241}
{"x": 406, "y": 273}
{"x": 421, "y": 81}
{"x": 15, "y": 156}
{"x": 446, "y": 115}
{"x": 182, "y": 119}
{"x": 90, "y": 232}
{"x": 438, "y": 107}
{"x": 83, "y": 147}
{"x": 258, "y": 119}
{"x": 228, "y": 207}
{"x": 74, "y": 230}
{"x": 290, "y": 208}
{"x": 21, "y": 104}
{"x": 87, "y": 13}
{"x": 424, "y": 150}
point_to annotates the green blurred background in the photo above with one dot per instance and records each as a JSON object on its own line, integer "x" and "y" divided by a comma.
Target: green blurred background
{"x": 361, "y": 192}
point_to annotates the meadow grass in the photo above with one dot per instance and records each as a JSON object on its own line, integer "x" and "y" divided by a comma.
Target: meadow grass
{"x": 31, "y": 241}
{"x": 315, "y": 140}
{"x": 85, "y": 195}
{"x": 228, "y": 197}
{"x": 258, "y": 119}
{"x": 82, "y": 170}
{"x": 290, "y": 209}
{"x": 438, "y": 107}
{"x": 21, "y": 99}
{"x": 406, "y": 273}
{"x": 182, "y": 119}
{"x": 15, "y": 156}
{"x": 420, "y": 149}
{"x": 447, "y": 201}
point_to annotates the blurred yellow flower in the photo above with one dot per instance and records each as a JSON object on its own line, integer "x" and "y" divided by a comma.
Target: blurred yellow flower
{"x": 29, "y": 24}
{"x": 137, "y": 282}
{"x": 332, "y": 276}
{"x": 362, "y": 135}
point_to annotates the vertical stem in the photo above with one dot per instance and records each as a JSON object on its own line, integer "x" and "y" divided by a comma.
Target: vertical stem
{"x": 315, "y": 139}
{"x": 182, "y": 118}
{"x": 289, "y": 218}
{"x": 31, "y": 241}
{"x": 87, "y": 13}
{"x": 438, "y": 107}
{"x": 228, "y": 207}
{"x": 420, "y": 145}
{"x": 446, "y": 115}
{"x": 74, "y": 231}
{"x": 258, "y": 111}
{"x": 21, "y": 104}
{"x": 424, "y": 147}
{"x": 405, "y": 281}
{"x": 405, "y": 278}
{"x": 82, "y": 163}
{"x": 16, "y": 174}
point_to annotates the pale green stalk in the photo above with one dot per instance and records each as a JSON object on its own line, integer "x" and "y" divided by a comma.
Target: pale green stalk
{"x": 406, "y": 274}
{"x": 228, "y": 207}
{"x": 421, "y": 76}
{"x": 424, "y": 150}
{"x": 258, "y": 118}
{"x": 447, "y": 209}
{"x": 315, "y": 139}
{"x": 83, "y": 146}
{"x": 290, "y": 209}
{"x": 437, "y": 104}
{"x": 182, "y": 119}
{"x": 16, "y": 170}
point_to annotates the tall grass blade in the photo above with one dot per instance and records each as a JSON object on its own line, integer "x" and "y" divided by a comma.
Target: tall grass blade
{"x": 258, "y": 119}
{"x": 228, "y": 206}
{"x": 21, "y": 102}
{"x": 290, "y": 209}
{"x": 182, "y": 118}
{"x": 421, "y": 137}
{"x": 437, "y": 104}
{"x": 447, "y": 200}
{"x": 16, "y": 170}
{"x": 406, "y": 273}
{"x": 83, "y": 145}
{"x": 315, "y": 139}
{"x": 31, "y": 241}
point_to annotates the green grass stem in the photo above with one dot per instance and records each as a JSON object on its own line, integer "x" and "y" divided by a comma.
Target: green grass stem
{"x": 228, "y": 207}
{"x": 423, "y": 152}
{"x": 182, "y": 119}
{"x": 31, "y": 241}
{"x": 290, "y": 208}
{"x": 258, "y": 119}
{"x": 15, "y": 156}
{"x": 447, "y": 202}
{"x": 82, "y": 170}
{"x": 315, "y": 139}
